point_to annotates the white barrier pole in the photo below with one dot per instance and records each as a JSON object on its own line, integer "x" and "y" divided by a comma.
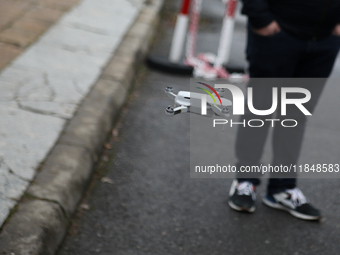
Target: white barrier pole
{"x": 224, "y": 48}
{"x": 180, "y": 33}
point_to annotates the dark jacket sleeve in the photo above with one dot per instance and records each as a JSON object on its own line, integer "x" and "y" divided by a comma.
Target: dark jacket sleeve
{"x": 258, "y": 13}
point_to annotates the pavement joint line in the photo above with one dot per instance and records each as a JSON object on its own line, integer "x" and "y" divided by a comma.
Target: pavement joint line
{"x": 112, "y": 78}
{"x": 94, "y": 158}
{"x": 2, "y": 161}
{"x": 20, "y": 177}
{"x": 76, "y": 86}
{"x": 87, "y": 29}
{"x": 74, "y": 160}
{"x": 32, "y": 110}
{"x": 33, "y": 197}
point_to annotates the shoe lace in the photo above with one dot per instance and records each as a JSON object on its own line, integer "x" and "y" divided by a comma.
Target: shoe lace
{"x": 246, "y": 188}
{"x": 297, "y": 197}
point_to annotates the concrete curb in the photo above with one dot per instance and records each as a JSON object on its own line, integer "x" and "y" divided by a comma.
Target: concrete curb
{"x": 41, "y": 219}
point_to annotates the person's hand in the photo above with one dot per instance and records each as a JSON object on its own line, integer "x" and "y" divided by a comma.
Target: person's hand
{"x": 271, "y": 29}
{"x": 336, "y": 30}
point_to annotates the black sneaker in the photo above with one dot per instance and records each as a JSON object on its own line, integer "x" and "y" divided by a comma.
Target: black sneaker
{"x": 242, "y": 196}
{"x": 293, "y": 201}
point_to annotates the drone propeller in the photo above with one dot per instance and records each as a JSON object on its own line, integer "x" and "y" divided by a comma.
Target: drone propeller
{"x": 173, "y": 111}
{"x": 169, "y": 92}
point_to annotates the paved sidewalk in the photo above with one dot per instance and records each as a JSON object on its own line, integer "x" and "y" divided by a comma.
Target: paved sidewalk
{"x": 42, "y": 88}
{"x": 22, "y": 22}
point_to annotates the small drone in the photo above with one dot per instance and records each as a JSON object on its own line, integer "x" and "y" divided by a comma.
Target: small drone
{"x": 186, "y": 101}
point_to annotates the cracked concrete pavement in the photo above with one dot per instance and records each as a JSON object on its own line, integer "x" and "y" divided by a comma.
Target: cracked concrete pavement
{"x": 41, "y": 90}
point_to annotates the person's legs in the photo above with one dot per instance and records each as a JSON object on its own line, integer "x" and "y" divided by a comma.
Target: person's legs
{"x": 316, "y": 62}
{"x": 269, "y": 57}
{"x": 287, "y": 141}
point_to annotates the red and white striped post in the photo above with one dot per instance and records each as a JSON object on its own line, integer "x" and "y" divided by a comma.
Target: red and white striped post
{"x": 199, "y": 65}
{"x": 178, "y": 39}
{"x": 223, "y": 53}
{"x": 193, "y": 29}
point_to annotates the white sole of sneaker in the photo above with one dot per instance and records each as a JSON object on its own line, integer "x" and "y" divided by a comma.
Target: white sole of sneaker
{"x": 240, "y": 209}
{"x": 292, "y": 212}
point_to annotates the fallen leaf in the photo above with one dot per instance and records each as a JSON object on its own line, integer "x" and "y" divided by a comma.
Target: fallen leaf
{"x": 108, "y": 146}
{"x": 85, "y": 206}
{"x": 115, "y": 132}
{"x": 107, "y": 180}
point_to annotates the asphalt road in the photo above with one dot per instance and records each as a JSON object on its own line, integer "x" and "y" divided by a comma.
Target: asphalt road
{"x": 153, "y": 207}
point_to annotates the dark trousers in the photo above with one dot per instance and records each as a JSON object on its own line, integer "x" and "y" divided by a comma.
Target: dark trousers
{"x": 281, "y": 56}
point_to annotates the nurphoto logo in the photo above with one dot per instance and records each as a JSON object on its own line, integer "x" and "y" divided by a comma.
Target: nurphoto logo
{"x": 238, "y": 100}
